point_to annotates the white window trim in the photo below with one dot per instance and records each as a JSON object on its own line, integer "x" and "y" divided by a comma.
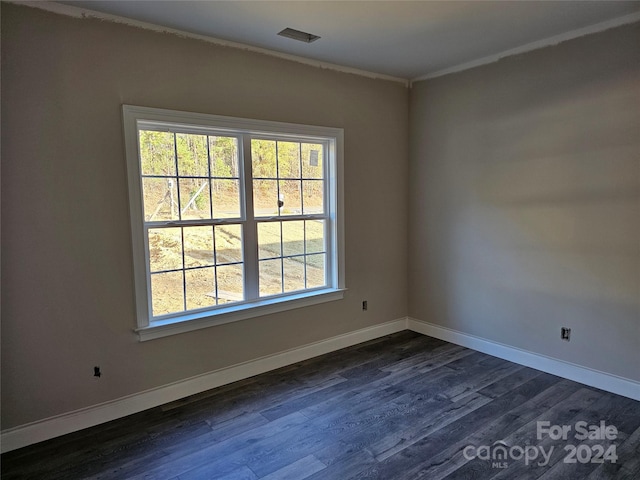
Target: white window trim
{"x": 189, "y": 321}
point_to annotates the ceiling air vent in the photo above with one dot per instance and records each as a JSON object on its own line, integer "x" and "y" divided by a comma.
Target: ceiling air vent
{"x": 298, "y": 35}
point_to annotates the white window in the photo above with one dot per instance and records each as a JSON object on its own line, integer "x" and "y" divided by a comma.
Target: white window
{"x": 230, "y": 218}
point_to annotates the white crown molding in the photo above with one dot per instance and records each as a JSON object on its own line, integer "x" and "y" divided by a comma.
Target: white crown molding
{"x": 78, "y": 12}
{"x": 588, "y": 376}
{"x": 546, "y": 42}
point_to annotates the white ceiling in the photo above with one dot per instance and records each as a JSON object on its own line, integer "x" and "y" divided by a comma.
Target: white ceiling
{"x": 405, "y": 39}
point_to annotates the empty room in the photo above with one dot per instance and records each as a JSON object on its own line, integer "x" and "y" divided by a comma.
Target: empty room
{"x": 320, "y": 240}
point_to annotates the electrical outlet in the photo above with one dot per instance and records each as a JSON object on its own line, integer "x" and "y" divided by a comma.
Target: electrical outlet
{"x": 565, "y": 333}
{"x": 364, "y": 305}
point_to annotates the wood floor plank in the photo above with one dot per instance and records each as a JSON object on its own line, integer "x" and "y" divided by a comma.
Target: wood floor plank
{"x": 516, "y": 428}
{"x": 484, "y": 379}
{"x": 256, "y": 444}
{"x": 407, "y": 462}
{"x": 285, "y": 384}
{"x": 347, "y": 463}
{"x": 166, "y": 445}
{"x": 611, "y": 409}
{"x": 298, "y": 403}
{"x": 298, "y": 470}
{"x": 452, "y": 458}
{"x": 440, "y": 353}
{"x": 430, "y": 419}
{"x": 592, "y": 404}
{"x": 403, "y": 406}
{"x": 387, "y": 385}
{"x": 628, "y": 461}
{"x": 338, "y": 425}
{"x": 508, "y": 383}
{"x": 206, "y": 472}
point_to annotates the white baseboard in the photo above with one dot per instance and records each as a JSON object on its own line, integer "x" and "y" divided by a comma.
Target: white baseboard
{"x": 594, "y": 378}
{"x": 48, "y": 428}
{"x": 41, "y": 430}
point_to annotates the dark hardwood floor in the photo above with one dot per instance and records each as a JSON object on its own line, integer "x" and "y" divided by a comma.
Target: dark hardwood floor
{"x": 403, "y": 406}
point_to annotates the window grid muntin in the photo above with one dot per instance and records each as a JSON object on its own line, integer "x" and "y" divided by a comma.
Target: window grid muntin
{"x": 184, "y": 277}
{"x": 175, "y": 130}
{"x": 305, "y": 255}
{"x": 281, "y": 243}
{"x": 211, "y": 198}
{"x": 180, "y": 222}
{"x": 175, "y": 161}
{"x": 215, "y": 262}
{"x": 245, "y": 190}
{"x": 277, "y": 181}
{"x": 185, "y": 268}
{"x": 304, "y": 237}
{"x": 325, "y": 144}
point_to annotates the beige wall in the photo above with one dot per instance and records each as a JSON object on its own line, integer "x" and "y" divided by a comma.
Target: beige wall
{"x": 67, "y": 292}
{"x": 525, "y": 201}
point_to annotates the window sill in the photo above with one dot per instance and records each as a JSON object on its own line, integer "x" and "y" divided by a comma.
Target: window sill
{"x": 234, "y": 313}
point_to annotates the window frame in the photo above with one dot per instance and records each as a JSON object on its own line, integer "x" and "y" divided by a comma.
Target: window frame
{"x": 148, "y": 327}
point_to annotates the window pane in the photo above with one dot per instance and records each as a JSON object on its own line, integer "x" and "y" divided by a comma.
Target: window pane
{"x": 194, "y": 198}
{"x": 263, "y": 158}
{"x": 230, "y": 284}
{"x": 157, "y": 153}
{"x": 165, "y": 249}
{"x": 228, "y": 244}
{"x": 290, "y": 197}
{"x": 160, "y": 199}
{"x": 194, "y": 232}
{"x": 193, "y": 159}
{"x": 224, "y": 156}
{"x": 226, "y": 198}
{"x": 315, "y": 271}
{"x": 315, "y": 236}
{"x": 167, "y": 293}
{"x": 198, "y": 246}
{"x": 265, "y": 198}
{"x": 270, "y": 277}
{"x": 313, "y": 196}
{"x": 200, "y": 287}
{"x": 293, "y": 238}
{"x": 288, "y": 160}
{"x": 312, "y": 160}
{"x": 293, "y": 273}
{"x": 269, "y": 240}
